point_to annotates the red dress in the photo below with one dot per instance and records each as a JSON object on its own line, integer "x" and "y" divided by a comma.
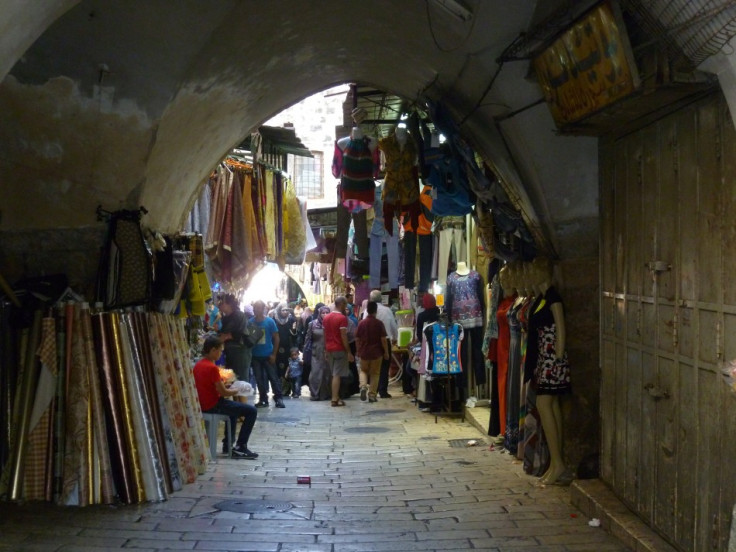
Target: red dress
{"x": 502, "y": 355}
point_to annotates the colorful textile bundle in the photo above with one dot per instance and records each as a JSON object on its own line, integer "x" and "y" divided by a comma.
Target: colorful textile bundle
{"x": 106, "y": 410}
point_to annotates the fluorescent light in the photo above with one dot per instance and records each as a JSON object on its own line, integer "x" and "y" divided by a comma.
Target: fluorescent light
{"x": 455, "y": 8}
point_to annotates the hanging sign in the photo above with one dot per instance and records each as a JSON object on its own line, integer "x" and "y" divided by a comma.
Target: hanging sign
{"x": 588, "y": 67}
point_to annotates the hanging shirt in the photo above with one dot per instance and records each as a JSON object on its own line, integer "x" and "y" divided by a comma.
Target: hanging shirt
{"x": 426, "y": 217}
{"x": 449, "y": 187}
{"x": 443, "y": 347}
{"x": 355, "y": 166}
{"x": 465, "y": 299}
{"x": 401, "y": 183}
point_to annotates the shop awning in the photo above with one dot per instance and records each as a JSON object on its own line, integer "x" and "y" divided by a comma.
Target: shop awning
{"x": 279, "y": 141}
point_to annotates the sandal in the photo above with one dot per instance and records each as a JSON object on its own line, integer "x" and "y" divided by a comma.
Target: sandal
{"x": 338, "y": 403}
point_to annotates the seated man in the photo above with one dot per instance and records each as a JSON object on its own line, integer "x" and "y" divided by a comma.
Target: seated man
{"x": 212, "y": 393}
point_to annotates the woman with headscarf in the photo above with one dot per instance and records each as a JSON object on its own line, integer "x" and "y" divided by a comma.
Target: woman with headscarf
{"x": 285, "y": 323}
{"x": 431, "y": 313}
{"x": 320, "y": 376}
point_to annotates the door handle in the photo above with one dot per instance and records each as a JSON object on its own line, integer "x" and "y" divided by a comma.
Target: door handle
{"x": 656, "y": 392}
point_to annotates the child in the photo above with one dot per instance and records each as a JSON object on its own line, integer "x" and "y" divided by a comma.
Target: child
{"x": 294, "y": 373}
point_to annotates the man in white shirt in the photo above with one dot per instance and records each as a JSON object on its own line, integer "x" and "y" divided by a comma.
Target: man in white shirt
{"x": 386, "y": 316}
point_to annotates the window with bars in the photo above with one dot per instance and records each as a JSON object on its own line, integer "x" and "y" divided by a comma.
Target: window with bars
{"x": 308, "y": 175}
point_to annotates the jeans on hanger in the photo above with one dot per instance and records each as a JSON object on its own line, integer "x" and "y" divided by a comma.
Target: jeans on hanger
{"x": 392, "y": 252}
{"x": 448, "y": 237}
{"x": 343, "y": 229}
{"x": 426, "y": 246}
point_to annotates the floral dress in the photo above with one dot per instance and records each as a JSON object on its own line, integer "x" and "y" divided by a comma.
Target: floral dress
{"x": 551, "y": 375}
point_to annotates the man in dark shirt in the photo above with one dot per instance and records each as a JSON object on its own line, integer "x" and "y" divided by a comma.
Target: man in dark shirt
{"x": 237, "y": 353}
{"x": 372, "y": 347}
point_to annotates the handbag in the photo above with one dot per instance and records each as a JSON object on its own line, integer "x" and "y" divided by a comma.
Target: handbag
{"x": 252, "y": 333}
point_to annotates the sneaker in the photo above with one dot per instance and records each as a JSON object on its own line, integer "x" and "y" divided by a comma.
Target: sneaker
{"x": 372, "y": 399}
{"x": 242, "y": 452}
{"x": 363, "y": 394}
{"x": 280, "y": 404}
{"x": 385, "y": 396}
{"x": 261, "y": 404}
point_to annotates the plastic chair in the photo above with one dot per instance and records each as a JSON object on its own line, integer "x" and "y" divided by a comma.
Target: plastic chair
{"x": 211, "y": 422}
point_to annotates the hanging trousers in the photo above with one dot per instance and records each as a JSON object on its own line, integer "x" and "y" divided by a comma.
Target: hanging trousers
{"x": 449, "y": 237}
{"x": 376, "y": 252}
{"x": 360, "y": 237}
{"x": 426, "y": 251}
{"x": 471, "y": 352}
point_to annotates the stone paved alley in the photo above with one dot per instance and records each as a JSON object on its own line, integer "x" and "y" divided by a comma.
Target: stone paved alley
{"x": 384, "y": 476}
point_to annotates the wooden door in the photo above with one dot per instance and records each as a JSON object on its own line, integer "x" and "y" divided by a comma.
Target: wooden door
{"x": 668, "y": 322}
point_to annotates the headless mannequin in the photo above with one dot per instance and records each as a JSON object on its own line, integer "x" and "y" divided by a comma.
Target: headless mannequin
{"x": 355, "y": 134}
{"x": 549, "y": 405}
{"x": 462, "y": 268}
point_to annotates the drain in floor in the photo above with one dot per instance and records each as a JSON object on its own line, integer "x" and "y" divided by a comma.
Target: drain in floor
{"x": 366, "y": 429}
{"x": 253, "y": 506}
{"x": 458, "y": 443}
{"x": 384, "y": 411}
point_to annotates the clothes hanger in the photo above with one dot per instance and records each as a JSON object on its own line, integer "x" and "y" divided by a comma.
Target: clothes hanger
{"x": 69, "y": 295}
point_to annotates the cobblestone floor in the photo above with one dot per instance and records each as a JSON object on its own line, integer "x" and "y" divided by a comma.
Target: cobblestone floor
{"x": 384, "y": 477}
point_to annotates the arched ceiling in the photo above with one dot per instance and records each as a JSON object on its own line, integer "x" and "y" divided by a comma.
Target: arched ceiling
{"x": 129, "y": 102}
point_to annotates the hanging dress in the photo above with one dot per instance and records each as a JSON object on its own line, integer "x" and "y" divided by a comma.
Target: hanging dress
{"x": 523, "y": 324}
{"x": 513, "y": 380}
{"x": 502, "y": 356}
{"x": 551, "y": 375}
{"x": 356, "y": 171}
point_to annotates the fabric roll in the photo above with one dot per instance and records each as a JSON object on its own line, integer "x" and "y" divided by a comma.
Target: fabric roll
{"x": 140, "y": 325}
{"x": 122, "y": 365}
{"x": 100, "y": 446}
{"x": 76, "y": 485}
{"x": 106, "y": 353}
{"x": 37, "y": 474}
{"x": 143, "y": 434}
{"x": 174, "y": 407}
{"x": 197, "y": 440}
{"x": 60, "y": 405}
{"x": 24, "y": 403}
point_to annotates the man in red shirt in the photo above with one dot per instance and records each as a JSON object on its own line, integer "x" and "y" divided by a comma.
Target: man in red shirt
{"x": 337, "y": 347}
{"x": 212, "y": 393}
{"x": 372, "y": 346}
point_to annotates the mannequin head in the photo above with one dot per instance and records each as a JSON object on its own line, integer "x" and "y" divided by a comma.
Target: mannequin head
{"x": 356, "y": 133}
{"x": 505, "y": 278}
{"x": 541, "y": 273}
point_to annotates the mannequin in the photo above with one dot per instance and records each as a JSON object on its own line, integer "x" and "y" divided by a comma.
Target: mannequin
{"x": 355, "y": 163}
{"x": 514, "y": 373}
{"x": 552, "y": 371}
{"x": 401, "y": 137}
{"x": 465, "y": 303}
{"x": 401, "y": 183}
{"x": 503, "y": 342}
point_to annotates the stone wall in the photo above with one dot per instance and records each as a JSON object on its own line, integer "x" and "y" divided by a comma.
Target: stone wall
{"x": 72, "y": 251}
{"x": 579, "y": 288}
